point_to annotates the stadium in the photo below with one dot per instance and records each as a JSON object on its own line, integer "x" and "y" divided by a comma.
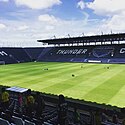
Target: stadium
{"x": 88, "y": 71}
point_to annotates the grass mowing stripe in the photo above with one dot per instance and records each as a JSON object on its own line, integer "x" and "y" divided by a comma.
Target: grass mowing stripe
{"x": 13, "y": 67}
{"x": 46, "y": 82}
{"x": 28, "y": 81}
{"x": 49, "y": 74}
{"x": 16, "y": 66}
{"x": 110, "y": 84}
{"x": 118, "y": 99}
{"x": 32, "y": 72}
{"x": 90, "y": 82}
{"x": 19, "y": 77}
{"x": 59, "y": 79}
{"x": 31, "y": 67}
{"x": 70, "y": 81}
{"x": 58, "y": 76}
{"x": 118, "y": 85}
{"x": 55, "y": 80}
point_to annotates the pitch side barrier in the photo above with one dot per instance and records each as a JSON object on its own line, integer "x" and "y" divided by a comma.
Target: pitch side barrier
{"x": 85, "y": 107}
{"x": 53, "y": 99}
{"x": 81, "y": 104}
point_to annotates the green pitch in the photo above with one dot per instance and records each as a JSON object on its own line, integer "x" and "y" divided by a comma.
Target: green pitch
{"x": 102, "y": 83}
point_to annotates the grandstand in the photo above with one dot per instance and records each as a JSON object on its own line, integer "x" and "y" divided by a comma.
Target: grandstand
{"x": 107, "y": 49}
{"x": 100, "y": 48}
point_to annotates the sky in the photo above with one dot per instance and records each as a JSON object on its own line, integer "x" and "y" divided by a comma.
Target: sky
{"x": 23, "y": 22}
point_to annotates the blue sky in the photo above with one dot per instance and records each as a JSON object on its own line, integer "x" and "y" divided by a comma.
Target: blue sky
{"x": 22, "y": 22}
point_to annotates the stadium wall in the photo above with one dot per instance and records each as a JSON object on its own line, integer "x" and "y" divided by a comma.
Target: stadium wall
{"x": 11, "y": 55}
{"x": 91, "y": 54}
{"x": 95, "y": 54}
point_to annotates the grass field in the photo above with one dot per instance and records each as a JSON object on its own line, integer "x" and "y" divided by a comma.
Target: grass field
{"x": 91, "y": 82}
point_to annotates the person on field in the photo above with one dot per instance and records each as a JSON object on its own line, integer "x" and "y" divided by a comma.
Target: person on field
{"x": 4, "y": 99}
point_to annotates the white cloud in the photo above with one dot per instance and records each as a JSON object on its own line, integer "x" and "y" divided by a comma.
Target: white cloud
{"x": 106, "y": 7}
{"x": 115, "y": 23}
{"x": 49, "y": 19}
{"x": 38, "y": 4}
{"x": 4, "y": 0}
{"x": 81, "y": 5}
{"x": 2, "y": 26}
{"x": 24, "y": 27}
{"x": 113, "y": 10}
{"x": 48, "y": 26}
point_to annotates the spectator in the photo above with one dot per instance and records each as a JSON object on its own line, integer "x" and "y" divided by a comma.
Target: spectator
{"x": 76, "y": 116}
{"x": 29, "y": 103}
{"x": 8, "y": 116}
{"x": 20, "y": 99}
{"x": 40, "y": 104}
{"x": 20, "y": 102}
{"x": 62, "y": 110}
{"x": 123, "y": 116}
{"x": 104, "y": 116}
{"x": 115, "y": 119}
{"x": 123, "y": 122}
{"x": 97, "y": 119}
{"x": 4, "y": 99}
{"x": 24, "y": 101}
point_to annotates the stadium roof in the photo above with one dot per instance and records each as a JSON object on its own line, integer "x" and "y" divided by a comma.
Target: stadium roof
{"x": 86, "y": 39}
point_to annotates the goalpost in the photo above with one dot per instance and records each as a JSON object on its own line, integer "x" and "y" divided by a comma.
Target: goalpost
{"x": 2, "y": 62}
